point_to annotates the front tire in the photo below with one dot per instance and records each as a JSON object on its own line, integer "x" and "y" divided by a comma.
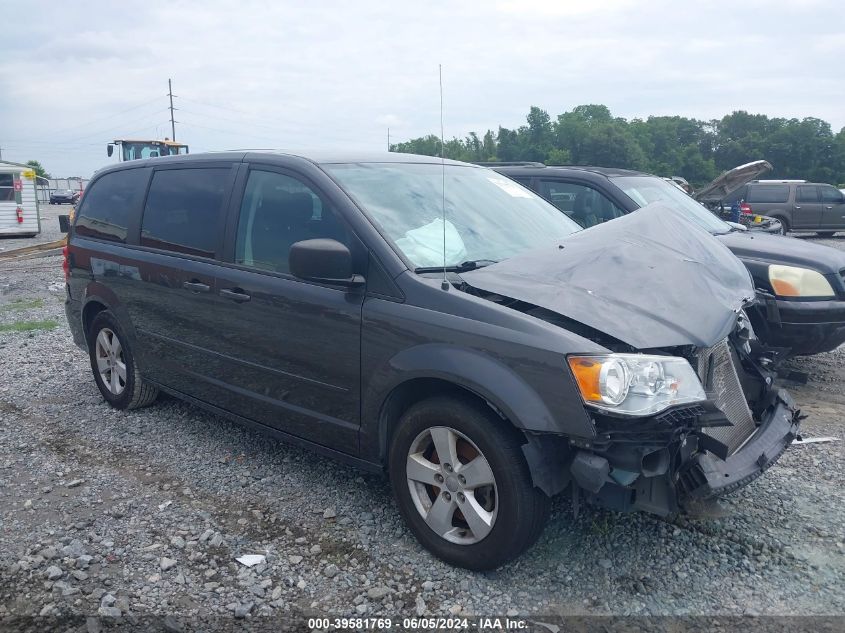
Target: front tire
{"x": 784, "y": 225}
{"x": 462, "y": 484}
{"x": 114, "y": 365}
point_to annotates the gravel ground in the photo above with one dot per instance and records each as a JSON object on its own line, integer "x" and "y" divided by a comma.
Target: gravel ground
{"x": 144, "y": 513}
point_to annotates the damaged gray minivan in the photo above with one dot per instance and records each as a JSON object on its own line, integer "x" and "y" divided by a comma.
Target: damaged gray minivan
{"x": 435, "y": 321}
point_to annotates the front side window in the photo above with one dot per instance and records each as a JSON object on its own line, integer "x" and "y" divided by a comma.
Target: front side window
{"x": 277, "y": 211}
{"x": 488, "y": 217}
{"x": 807, "y": 193}
{"x": 831, "y": 195}
{"x": 109, "y": 203}
{"x": 183, "y": 210}
{"x": 583, "y": 204}
{"x": 768, "y": 193}
{"x": 647, "y": 189}
{"x": 7, "y": 188}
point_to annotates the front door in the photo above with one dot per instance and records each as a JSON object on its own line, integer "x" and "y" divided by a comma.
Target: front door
{"x": 807, "y": 211}
{"x": 833, "y": 208}
{"x": 291, "y": 347}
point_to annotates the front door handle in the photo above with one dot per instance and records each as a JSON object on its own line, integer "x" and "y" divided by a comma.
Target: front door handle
{"x": 196, "y": 286}
{"x": 797, "y": 207}
{"x": 235, "y": 294}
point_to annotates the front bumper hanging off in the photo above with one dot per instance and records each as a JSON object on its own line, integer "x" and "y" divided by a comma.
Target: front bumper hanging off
{"x": 706, "y": 475}
{"x": 700, "y": 469}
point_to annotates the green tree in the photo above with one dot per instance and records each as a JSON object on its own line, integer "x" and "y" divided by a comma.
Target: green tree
{"x": 37, "y": 168}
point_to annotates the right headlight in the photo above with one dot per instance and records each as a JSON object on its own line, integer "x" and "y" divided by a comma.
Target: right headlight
{"x": 635, "y": 384}
{"x": 793, "y": 281}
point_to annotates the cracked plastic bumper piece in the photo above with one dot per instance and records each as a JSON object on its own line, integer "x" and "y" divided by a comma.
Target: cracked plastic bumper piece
{"x": 706, "y": 476}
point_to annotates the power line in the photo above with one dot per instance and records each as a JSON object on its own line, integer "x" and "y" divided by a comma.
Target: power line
{"x": 92, "y": 134}
{"x": 99, "y": 119}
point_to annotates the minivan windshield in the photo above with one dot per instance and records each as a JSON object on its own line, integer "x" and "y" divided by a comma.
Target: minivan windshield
{"x": 647, "y": 189}
{"x": 488, "y": 216}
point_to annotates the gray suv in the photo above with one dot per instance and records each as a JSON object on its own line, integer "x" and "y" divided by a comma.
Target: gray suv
{"x": 798, "y": 204}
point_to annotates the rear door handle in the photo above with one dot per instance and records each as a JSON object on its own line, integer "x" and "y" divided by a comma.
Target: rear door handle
{"x": 196, "y": 286}
{"x": 797, "y": 207}
{"x": 235, "y": 294}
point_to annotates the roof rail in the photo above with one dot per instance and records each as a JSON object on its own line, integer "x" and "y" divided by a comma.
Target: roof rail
{"x": 511, "y": 163}
{"x": 778, "y": 181}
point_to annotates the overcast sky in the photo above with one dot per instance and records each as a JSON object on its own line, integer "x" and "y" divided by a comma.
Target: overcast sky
{"x": 327, "y": 75}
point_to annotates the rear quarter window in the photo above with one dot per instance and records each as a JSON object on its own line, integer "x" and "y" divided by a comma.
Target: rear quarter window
{"x": 183, "y": 210}
{"x": 767, "y": 193}
{"x": 110, "y": 203}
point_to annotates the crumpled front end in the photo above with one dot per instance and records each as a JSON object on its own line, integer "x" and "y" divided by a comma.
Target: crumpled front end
{"x": 683, "y": 457}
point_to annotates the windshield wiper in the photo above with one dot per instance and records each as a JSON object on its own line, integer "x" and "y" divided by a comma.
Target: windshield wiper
{"x": 463, "y": 267}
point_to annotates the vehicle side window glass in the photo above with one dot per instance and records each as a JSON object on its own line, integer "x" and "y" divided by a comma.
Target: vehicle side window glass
{"x": 183, "y": 210}
{"x": 740, "y": 194}
{"x": 831, "y": 194}
{"x": 767, "y": 193}
{"x": 807, "y": 193}
{"x": 109, "y": 204}
{"x": 7, "y": 188}
{"x": 583, "y": 204}
{"x": 277, "y": 211}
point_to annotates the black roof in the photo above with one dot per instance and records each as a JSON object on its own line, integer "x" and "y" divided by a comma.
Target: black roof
{"x": 534, "y": 169}
{"x": 315, "y": 157}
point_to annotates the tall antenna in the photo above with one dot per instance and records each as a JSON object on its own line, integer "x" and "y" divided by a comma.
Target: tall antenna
{"x": 445, "y": 283}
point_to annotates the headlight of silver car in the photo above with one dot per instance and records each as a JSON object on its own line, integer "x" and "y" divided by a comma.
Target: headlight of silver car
{"x": 793, "y": 281}
{"x": 635, "y": 384}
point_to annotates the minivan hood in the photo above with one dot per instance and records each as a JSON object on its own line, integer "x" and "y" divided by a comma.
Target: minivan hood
{"x": 649, "y": 279}
{"x": 731, "y": 180}
{"x": 778, "y": 249}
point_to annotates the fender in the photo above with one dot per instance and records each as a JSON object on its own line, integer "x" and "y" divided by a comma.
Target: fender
{"x": 506, "y": 391}
{"x": 100, "y": 293}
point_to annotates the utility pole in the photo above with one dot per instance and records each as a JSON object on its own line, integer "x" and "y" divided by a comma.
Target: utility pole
{"x": 388, "y": 139}
{"x": 172, "y": 122}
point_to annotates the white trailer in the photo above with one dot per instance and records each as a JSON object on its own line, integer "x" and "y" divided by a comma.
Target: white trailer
{"x": 19, "y": 212}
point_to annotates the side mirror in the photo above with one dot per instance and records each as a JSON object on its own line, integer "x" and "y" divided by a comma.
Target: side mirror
{"x": 110, "y": 149}
{"x": 64, "y": 223}
{"x": 324, "y": 261}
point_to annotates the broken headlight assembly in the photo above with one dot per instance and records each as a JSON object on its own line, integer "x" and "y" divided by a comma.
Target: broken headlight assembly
{"x": 635, "y": 384}
{"x": 794, "y": 281}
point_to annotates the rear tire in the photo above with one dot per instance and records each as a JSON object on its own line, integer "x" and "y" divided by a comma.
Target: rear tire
{"x": 114, "y": 365}
{"x": 784, "y": 225}
{"x": 478, "y": 527}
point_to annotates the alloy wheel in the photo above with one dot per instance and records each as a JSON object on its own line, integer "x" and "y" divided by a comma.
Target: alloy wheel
{"x": 452, "y": 485}
{"x": 111, "y": 363}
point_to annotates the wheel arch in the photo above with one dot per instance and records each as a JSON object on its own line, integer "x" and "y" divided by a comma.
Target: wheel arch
{"x": 482, "y": 380}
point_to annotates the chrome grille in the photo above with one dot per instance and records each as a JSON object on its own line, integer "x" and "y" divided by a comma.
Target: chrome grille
{"x": 718, "y": 375}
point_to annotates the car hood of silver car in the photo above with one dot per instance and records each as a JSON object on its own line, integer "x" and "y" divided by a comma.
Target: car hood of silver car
{"x": 649, "y": 279}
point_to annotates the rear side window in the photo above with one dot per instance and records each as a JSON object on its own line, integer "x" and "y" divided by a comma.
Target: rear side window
{"x": 183, "y": 210}
{"x": 768, "y": 193}
{"x": 807, "y": 193}
{"x": 110, "y": 203}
